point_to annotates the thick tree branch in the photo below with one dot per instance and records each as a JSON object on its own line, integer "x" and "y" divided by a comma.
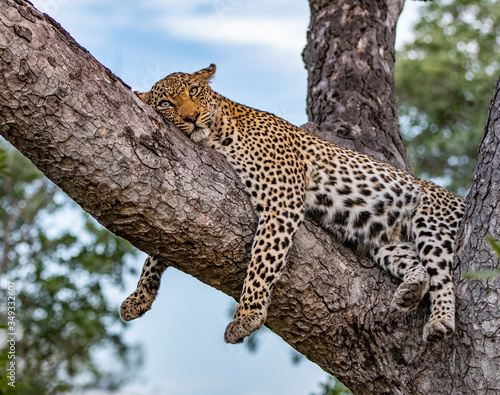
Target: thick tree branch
{"x": 148, "y": 183}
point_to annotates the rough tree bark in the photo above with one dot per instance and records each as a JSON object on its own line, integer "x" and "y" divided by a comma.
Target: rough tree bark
{"x": 350, "y": 58}
{"x": 478, "y": 302}
{"x": 143, "y": 180}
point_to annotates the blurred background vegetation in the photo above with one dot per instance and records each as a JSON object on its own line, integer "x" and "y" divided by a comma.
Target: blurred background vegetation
{"x": 445, "y": 80}
{"x": 64, "y": 288}
{"x": 66, "y": 277}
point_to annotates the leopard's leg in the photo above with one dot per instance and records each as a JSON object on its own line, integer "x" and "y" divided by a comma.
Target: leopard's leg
{"x": 143, "y": 297}
{"x": 435, "y": 244}
{"x": 401, "y": 260}
{"x": 272, "y": 242}
{"x": 438, "y": 264}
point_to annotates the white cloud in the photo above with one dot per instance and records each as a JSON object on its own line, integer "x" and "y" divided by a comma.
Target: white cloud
{"x": 280, "y": 34}
{"x": 278, "y": 25}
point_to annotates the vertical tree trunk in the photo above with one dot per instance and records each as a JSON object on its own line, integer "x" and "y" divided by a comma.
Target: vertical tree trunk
{"x": 350, "y": 58}
{"x": 477, "y": 370}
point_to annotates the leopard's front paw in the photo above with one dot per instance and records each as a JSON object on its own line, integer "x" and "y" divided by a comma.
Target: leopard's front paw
{"x": 243, "y": 326}
{"x": 136, "y": 305}
{"x": 409, "y": 294}
{"x": 437, "y": 329}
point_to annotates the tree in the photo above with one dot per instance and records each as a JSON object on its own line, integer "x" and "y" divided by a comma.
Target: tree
{"x": 443, "y": 80}
{"x": 473, "y": 254}
{"x": 61, "y": 284}
{"x": 145, "y": 181}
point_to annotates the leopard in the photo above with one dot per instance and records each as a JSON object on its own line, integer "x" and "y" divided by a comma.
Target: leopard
{"x": 406, "y": 225}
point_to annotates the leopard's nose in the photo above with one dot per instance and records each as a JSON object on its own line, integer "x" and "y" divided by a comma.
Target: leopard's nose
{"x": 193, "y": 117}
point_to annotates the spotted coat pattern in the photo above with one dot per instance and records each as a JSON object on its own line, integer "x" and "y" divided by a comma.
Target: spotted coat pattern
{"x": 405, "y": 224}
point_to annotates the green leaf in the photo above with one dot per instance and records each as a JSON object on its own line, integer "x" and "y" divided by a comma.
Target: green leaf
{"x": 482, "y": 274}
{"x": 495, "y": 244}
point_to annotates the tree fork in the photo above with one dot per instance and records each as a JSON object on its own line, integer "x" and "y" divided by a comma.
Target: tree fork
{"x": 145, "y": 181}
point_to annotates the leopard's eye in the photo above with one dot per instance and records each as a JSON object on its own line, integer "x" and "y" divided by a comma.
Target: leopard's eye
{"x": 164, "y": 104}
{"x": 193, "y": 91}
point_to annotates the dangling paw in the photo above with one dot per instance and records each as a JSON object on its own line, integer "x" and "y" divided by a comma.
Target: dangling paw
{"x": 412, "y": 290}
{"x": 147, "y": 288}
{"x": 409, "y": 294}
{"x": 243, "y": 326}
{"x": 137, "y": 304}
{"x": 439, "y": 328}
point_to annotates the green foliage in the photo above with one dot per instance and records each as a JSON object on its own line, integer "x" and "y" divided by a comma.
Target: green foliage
{"x": 444, "y": 82}
{"x": 3, "y": 162}
{"x": 333, "y": 387}
{"x": 486, "y": 274}
{"x": 64, "y": 282}
{"x": 495, "y": 244}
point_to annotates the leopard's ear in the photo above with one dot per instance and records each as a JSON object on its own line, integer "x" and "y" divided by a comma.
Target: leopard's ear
{"x": 143, "y": 96}
{"x": 205, "y": 75}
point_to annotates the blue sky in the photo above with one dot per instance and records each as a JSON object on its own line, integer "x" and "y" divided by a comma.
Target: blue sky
{"x": 257, "y": 48}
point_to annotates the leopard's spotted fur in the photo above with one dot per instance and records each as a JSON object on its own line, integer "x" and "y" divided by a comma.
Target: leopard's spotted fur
{"x": 408, "y": 225}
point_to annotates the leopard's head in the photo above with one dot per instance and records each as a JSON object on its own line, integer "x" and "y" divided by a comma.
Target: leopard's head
{"x": 186, "y": 100}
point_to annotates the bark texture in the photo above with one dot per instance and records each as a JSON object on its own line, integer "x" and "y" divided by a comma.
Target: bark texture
{"x": 145, "y": 181}
{"x": 350, "y": 59}
{"x": 478, "y": 309}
